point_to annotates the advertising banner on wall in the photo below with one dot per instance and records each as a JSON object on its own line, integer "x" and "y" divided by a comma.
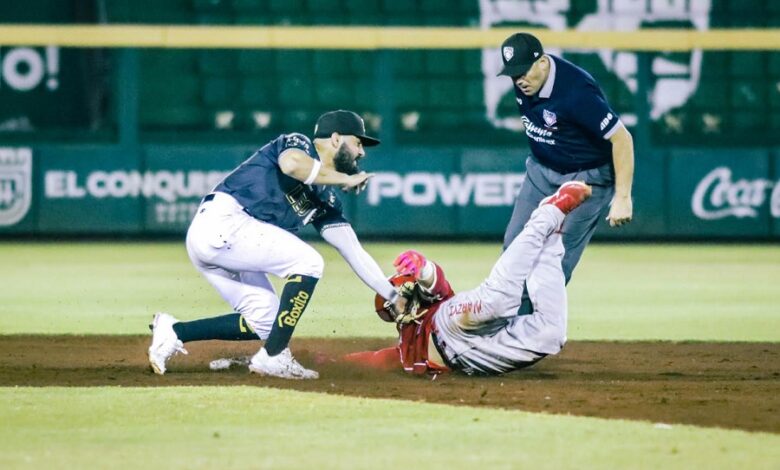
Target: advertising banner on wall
{"x": 16, "y": 190}
{"x": 107, "y": 190}
{"x": 774, "y": 208}
{"x": 721, "y": 193}
{"x": 176, "y": 178}
{"x": 82, "y": 190}
{"x": 456, "y": 193}
{"x": 448, "y": 194}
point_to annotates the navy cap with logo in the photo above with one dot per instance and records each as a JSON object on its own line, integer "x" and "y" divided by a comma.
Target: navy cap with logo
{"x": 519, "y": 52}
{"x": 345, "y": 123}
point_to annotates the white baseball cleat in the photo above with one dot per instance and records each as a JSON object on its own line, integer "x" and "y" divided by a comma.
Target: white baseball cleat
{"x": 282, "y": 365}
{"x": 165, "y": 343}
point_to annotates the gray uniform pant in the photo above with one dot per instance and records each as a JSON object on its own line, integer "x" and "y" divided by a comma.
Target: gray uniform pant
{"x": 579, "y": 226}
{"x": 479, "y": 331}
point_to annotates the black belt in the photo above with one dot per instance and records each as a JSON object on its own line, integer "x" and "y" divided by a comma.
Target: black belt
{"x": 211, "y": 196}
{"x": 440, "y": 350}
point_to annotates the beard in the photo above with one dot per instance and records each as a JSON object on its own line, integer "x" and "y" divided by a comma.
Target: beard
{"x": 344, "y": 161}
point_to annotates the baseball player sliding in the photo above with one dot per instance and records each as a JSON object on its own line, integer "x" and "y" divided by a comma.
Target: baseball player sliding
{"x": 479, "y": 331}
{"x": 246, "y": 228}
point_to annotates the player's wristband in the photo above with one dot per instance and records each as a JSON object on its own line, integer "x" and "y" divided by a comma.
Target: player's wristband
{"x": 315, "y": 170}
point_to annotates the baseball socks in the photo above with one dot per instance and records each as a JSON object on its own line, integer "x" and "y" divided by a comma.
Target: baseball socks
{"x": 230, "y": 327}
{"x": 295, "y": 297}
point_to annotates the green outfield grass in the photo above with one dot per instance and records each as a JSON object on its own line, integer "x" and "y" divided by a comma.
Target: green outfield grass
{"x": 676, "y": 292}
{"x": 247, "y": 427}
{"x": 619, "y": 292}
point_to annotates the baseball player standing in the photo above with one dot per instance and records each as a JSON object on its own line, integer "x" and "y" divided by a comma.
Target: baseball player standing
{"x": 246, "y": 228}
{"x": 573, "y": 135}
{"x": 478, "y": 331}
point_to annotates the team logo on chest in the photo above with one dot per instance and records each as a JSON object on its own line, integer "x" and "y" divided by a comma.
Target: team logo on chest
{"x": 549, "y": 118}
{"x": 508, "y": 52}
{"x": 299, "y": 200}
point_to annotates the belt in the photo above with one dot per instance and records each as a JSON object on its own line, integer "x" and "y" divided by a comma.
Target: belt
{"x": 569, "y": 170}
{"x": 440, "y": 348}
{"x": 211, "y": 196}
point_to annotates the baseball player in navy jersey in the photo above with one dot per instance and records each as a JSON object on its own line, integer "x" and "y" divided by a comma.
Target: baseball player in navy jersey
{"x": 245, "y": 230}
{"x": 478, "y": 331}
{"x": 573, "y": 134}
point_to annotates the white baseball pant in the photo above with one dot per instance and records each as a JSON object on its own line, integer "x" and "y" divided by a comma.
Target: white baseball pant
{"x": 235, "y": 251}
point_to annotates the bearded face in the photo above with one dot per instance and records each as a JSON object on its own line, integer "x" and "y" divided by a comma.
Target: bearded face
{"x": 345, "y": 160}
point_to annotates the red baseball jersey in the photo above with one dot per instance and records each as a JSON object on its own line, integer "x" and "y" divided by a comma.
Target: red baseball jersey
{"x": 414, "y": 337}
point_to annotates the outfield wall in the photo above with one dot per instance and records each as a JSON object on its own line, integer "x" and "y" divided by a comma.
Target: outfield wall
{"x": 118, "y": 116}
{"x": 455, "y": 192}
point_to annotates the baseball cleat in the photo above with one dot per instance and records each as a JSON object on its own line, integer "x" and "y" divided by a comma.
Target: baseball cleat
{"x": 165, "y": 343}
{"x": 569, "y": 196}
{"x": 283, "y": 365}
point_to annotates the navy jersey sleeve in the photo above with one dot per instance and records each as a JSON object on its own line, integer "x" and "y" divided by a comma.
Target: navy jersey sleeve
{"x": 591, "y": 111}
{"x": 330, "y": 211}
{"x": 295, "y": 141}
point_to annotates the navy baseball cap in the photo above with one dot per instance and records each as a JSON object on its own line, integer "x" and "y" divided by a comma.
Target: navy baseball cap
{"x": 519, "y": 52}
{"x": 345, "y": 123}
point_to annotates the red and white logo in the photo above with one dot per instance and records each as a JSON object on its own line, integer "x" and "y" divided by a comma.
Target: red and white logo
{"x": 549, "y": 118}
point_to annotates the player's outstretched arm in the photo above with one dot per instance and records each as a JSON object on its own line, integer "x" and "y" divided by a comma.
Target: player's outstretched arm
{"x": 384, "y": 359}
{"x": 344, "y": 239}
{"x": 296, "y": 164}
{"x": 621, "y": 209}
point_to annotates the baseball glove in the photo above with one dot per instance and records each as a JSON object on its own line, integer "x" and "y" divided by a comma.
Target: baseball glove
{"x": 407, "y": 287}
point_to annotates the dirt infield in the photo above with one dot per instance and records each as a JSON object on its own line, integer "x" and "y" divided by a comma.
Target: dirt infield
{"x": 730, "y": 385}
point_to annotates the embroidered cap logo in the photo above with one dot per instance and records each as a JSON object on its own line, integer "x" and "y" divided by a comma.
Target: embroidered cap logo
{"x": 508, "y": 52}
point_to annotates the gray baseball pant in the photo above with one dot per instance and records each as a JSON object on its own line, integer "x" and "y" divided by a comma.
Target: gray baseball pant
{"x": 579, "y": 226}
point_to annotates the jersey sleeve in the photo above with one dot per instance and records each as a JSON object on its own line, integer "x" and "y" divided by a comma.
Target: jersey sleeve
{"x": 440, "y": 290}
{"x": 295, "y": 141}
{"x": 384, "y": 359}
{"x": 592, "y": 112}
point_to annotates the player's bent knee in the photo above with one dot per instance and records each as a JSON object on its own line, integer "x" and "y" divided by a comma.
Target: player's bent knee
{"x": 312, "y": 264}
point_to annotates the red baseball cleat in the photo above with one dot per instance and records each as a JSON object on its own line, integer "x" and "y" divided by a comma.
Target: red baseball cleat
{"x": 569, "y": 196}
